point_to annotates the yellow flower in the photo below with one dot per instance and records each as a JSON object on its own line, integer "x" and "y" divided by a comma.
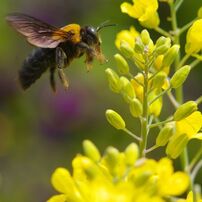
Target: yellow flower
{"x": 190, "y": 198}
{"x": 158, "y": 65}
{"x": 114, "y": 178}
{"x": 194, "y": 39}
{"x": 126, "y": 36}
{"x": 186, "y": 129}
{"x": 156, "y": 106}
{"x": 190, "y": 125}
{"x": 144, "y": 11}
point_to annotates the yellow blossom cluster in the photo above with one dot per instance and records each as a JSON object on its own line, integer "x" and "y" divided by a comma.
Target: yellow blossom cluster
{"x": 194, "y": 39}
{"x": 117, "y": 176}
{"x": 190, "y": 198}
{"x": 144, "y": 11}
{"x": 185, "y": 129}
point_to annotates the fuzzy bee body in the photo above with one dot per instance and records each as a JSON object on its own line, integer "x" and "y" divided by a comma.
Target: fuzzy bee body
{"x": 35, "y": 65}
{"x": 57, "y": 47}
{"x": 42, "y": 59}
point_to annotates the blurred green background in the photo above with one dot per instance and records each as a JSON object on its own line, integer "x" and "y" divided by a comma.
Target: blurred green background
{"x": 39, "y": 130}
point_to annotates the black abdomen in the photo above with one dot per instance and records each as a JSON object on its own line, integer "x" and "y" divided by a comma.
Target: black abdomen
{"x": 35, "y": 65}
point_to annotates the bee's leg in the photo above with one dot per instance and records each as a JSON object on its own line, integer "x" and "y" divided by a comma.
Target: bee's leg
{"x": 52, "y": 78}
{"x": 99, "y": 55}
{"x": 61, "y": 63}
{"x": 90, "y": 54}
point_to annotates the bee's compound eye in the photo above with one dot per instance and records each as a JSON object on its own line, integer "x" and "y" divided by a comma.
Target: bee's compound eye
{"x": 91, "y": 31}
{"x": 92, "y": 36}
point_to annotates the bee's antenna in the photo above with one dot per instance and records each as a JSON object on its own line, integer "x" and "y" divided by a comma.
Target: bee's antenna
{"x": 104, "y": 24}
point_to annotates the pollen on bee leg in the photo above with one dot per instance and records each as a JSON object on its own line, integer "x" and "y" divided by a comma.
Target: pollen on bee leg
{"x": 101, "y": 58}
{"x": 89, "y": 66}
{"x": 63, "y": 78}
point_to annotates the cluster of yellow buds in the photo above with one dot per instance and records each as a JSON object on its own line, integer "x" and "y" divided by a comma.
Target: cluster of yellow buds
{"x": 152, "y": 81}
{"x": 155, "y": 59}
{"x": 117, "y": 176}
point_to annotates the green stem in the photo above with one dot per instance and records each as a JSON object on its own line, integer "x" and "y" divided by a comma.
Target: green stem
{"x": 163, "y": 32}
{"x": 185, "y": 27}
{"x": 157, "y": 120}
{"x": 160, "y": 123}
{"x": 196, "y": 169}
{"x": 194, "y": 63}
{"x": 151, "y": 148}
{"x": 132, "y": 134}
{"x": 196, "y": 158}
{"x": 144, "y": 119}
{"x": 173, "y": 100}
{"x": 179, "y": 91}
{"x": 178, "y": 3}
{"x": 184, "y": 59}
{"x": 158, "y": 96}
{"x": 199, "y": 100}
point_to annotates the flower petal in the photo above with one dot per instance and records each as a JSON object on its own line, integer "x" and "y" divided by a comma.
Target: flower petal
{"x": 197, "y": 136}
{"x": 62, "y": 181}
{"x": 194, "y": 40}
{"x": 190, "y": 125}
{"x": 58, "y": 198}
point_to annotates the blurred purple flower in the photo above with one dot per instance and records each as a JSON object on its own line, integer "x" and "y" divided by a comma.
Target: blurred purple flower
{"x": 65, "y": 112}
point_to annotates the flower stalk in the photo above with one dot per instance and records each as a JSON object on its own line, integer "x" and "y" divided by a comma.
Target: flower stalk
{"x": 144, "y": 119}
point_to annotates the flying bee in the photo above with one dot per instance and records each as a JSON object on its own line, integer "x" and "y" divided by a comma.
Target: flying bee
{"x": 56, "y": 47}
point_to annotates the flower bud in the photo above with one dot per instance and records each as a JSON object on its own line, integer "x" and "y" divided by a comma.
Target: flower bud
{"x": 121, "y": 64}
{"x": 114, "y": 162}
{"x": 139, "y": 46}
{"x": 136, "y": 108}
{"x": 62, "y": 181}
{"x": 199, "y": 13}
{"x": 126, "y": 49}
{"x": 141, "y": 178}
{"x": 131, "y": 154}
{"x": 176, "y": 145}
{"x": 180, "y": 76}
{"x": 162, "y": 45}
{"x": 112, "y": 156}
{"x": 91, "y": 151}
{"x": 170, "y": 55}
{"x": 145, "y": 37}
{"x": 162, "y": 49}
{"x": 127, "y": 89}
{"x": 114, "y": 81}
{"x": 185, "y": 110}
{"x": 159, "y": 80}
{"x": 164, "y": 135}
{"x": 162, "y": 40}
{"x": 90, "y": 168}
{"x": 115, "y": 119}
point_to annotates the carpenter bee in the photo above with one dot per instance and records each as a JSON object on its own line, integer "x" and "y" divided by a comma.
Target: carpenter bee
{"x": 56, "y": 47}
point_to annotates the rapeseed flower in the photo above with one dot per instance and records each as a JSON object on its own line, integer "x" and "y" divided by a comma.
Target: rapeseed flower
{"x": 185, "y": 130}
{"x": 127, "y": 36}
{"x": 194, "y": 39}
{"x": 156, "y": 106}
{"x": 117, "y": 176}
{"x": 144, "y": 11}
{"x": 190, "y": 198}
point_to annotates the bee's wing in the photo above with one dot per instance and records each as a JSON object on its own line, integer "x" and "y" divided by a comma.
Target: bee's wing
{"x": 37, "y": 32}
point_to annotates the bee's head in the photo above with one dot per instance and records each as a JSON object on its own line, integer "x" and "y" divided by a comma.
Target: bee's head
{"x": 89, "y": 35}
